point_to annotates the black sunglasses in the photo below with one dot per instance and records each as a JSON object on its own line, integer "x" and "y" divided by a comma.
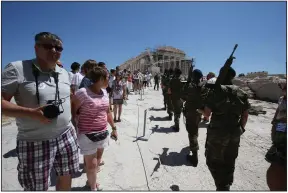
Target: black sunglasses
{"x": 50, "y": 47}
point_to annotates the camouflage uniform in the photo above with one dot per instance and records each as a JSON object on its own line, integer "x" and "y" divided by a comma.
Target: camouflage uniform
{"x": 175, "y": 86}
{"x": 168, "y": 96}
{"x": 227, "y": 103}
{"x": 164, "y": 83}
{"x": 192, "y": 96}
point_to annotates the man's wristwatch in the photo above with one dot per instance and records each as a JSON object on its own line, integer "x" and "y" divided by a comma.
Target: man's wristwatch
{"x": 114, "y": 128}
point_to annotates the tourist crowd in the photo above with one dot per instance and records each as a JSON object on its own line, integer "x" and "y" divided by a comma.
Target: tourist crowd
{"x": 64, "y": 111}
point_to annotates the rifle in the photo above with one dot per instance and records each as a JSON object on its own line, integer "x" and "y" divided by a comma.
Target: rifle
{"x": 223, "y": 72}
{"x": 225, "y": 68}
{"x": 189, "y": 79}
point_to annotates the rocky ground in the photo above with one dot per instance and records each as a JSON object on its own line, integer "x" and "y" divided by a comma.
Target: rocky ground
{"x": 160, "y": 162}
{"x": 262, "y": 88}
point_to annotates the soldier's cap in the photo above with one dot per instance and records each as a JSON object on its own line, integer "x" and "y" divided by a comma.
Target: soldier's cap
{"x": 197, "y": 73}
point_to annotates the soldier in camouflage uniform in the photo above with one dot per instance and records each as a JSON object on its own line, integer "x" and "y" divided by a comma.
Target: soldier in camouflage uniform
{"x": 175, "y": 88}
{"x": 229, "y": 106}
{"x": 169, "y": 99}
{"x": 192, "y": 95}
{"x": 164, "y": 78}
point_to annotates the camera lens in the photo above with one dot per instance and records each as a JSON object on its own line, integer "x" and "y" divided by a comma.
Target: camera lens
{"x": 51, "y": 111}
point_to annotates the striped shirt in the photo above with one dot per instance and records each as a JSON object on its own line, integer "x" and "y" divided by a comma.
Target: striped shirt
{"x": 93, "y": 111}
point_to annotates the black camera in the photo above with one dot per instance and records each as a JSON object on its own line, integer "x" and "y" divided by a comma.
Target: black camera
{"x": 52, "y": 110}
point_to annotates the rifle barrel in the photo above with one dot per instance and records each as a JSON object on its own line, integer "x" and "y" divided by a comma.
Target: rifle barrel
{"x": 226, "y": 66}
{"x": 235, "y": 47}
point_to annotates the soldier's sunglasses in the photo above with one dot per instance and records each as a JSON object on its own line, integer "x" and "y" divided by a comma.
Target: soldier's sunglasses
{"x": 51, "y": 46}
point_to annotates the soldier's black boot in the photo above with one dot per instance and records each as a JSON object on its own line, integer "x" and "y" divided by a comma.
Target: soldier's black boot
{"x": 193, "y": 159}
{"x": 223, "y": 188}
{"x": 170, "y": 116}
{"x": 176, "y": 121}
{"x": 176, "y": 128}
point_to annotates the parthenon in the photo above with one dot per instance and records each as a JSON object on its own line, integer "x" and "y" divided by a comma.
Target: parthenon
{"x": 164, "y": 57}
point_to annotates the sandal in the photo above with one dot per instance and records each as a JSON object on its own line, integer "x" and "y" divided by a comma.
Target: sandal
{"x": 114, "y": 120}
{"x": 101, "y": 163}
{"x": 98, "y": 187}
{"x": 119, "y": 120}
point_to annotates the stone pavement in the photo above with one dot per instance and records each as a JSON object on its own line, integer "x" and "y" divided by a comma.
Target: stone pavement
{"x": 159, "y": 163}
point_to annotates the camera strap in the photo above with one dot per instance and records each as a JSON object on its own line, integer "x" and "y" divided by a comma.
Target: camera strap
{"x": 55, "y": 75}
{"x": 56, "y": 78}
{"x": 35, "y": 72}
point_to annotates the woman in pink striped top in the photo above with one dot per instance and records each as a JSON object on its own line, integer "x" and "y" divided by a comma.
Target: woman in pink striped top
{"x": 91, "y": 106}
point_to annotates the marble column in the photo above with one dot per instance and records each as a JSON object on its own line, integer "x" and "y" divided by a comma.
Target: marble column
{"x": 178, "y": 63}
{"x": 172, "y": 62}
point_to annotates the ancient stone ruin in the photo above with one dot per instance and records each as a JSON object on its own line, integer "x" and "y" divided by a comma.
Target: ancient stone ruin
{"x": 163, "y": 57}
{"x": 262, "y": 87}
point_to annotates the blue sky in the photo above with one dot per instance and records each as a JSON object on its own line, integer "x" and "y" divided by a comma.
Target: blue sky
{"x": 115, "y": 31}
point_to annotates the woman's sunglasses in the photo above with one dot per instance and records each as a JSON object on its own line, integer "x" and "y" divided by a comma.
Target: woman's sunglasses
{"x": 50, "y": 47}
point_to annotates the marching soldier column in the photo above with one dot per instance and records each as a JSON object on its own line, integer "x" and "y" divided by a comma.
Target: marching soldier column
{"x": 227, "y": 102}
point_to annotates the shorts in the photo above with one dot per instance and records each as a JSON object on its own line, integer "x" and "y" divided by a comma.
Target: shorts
{"x": 117, "y": 101}
{"x": 36, "y": 160}
{"x": 136, "y": 81}
{"x": 88, "y": 147}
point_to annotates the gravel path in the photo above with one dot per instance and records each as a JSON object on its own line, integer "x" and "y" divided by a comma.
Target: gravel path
{"x": 160, "y": 162}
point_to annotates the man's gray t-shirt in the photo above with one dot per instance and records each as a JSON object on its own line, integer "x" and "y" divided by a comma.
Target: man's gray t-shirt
{"x": 18, "y": 80}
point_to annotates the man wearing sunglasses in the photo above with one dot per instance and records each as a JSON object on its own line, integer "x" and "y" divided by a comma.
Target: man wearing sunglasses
{"x": 44, "y": 140}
